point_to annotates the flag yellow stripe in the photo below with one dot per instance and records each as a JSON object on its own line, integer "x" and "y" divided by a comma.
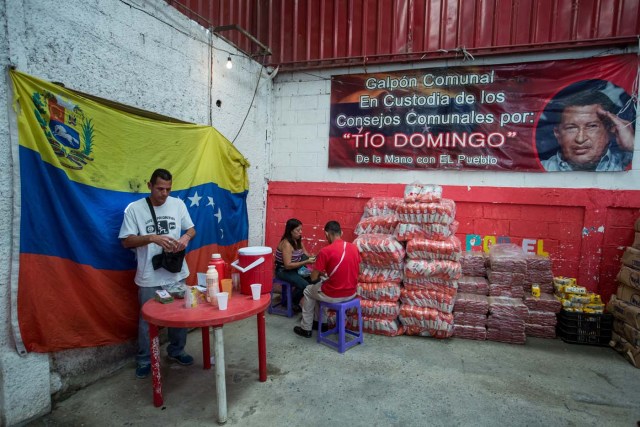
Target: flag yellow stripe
{"x": 126, "y": 148}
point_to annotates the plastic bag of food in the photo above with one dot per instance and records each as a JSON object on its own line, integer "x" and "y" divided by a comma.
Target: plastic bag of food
{"x": 544, "y": 302}
{"x": 371, "y": 273}
{"x": 380, "y": 309}
{"x": 417, "y": 268}
{"x": 371, "y": 325}
{"x": 473, "y": 285}
{"x": 426, "y": 318}
{"x": 505, "y": 277}
{"x": 426, "y": 332}
{"x": 434, "y": 231}
{"x": 416, "y": 192}
{"x": 466, "y": 318}
{"x": 449, "y": 249}
{"x": 377, "y": 326}
{"x": 538, "y": 262}
{"x": 508, "y": 307}
{"x": 380, "y": 206}
{"x": 375, "y": 249}
{"x": 385, "y": 224}
{"x": 384, "y": 291}
{"x": 500, "y": 290}
{"x": 442, "y": 212}
{"x": 472, "y": 303}
{"x": 470, "y": 332}
{"x": 473, "y": 263}
{"x": 429, "y": 283}
{"x": 442, "y": 299}
{"x": 507, "y": 257}
{"x": 543, "y": 318}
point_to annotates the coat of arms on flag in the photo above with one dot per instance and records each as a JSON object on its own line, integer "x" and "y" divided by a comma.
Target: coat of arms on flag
{"x": 66, "y": 127}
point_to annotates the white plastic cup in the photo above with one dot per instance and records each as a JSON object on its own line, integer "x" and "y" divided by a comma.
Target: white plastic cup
{"x": 255, "y": 290}
{"x": 223, "y": 299}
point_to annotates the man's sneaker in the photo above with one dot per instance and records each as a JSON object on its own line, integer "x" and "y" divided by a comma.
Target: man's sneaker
{"x": 183, "y": 359}
{"x": 298, "y": 330}
{"x": 143, "y": 371}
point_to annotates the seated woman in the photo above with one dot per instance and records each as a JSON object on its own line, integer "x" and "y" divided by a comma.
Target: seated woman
{"x": 290, "y": 256}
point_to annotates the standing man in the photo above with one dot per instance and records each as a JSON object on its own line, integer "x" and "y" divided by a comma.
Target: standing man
{"x": 138, "y": 232}
{"x": 339, "y": 263}
{"x": 588, "y": 126}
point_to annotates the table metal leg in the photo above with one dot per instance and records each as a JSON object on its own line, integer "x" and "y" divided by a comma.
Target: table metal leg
{"x": 155, "y": 365}
{"x": 221, "y": 386}
{"x": 206, "y": 348}
{"x": 262, "y": 348}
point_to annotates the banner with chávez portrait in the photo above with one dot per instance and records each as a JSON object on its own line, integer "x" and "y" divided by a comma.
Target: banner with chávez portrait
{"x": 563, "y": 115}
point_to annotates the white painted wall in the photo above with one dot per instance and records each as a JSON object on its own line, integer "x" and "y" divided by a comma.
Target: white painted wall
{"x": 301, "y": 137}
{"x": 138, "y": 52}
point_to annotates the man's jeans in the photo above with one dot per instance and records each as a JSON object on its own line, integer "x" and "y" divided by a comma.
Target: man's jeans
{"x": 177, "y": 336}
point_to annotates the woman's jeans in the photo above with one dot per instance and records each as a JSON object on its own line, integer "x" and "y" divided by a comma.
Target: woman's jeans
{"x": 298, "y": 282}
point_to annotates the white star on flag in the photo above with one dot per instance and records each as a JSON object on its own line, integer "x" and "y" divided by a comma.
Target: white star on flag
{"x": 210, "y": 202}
{"x": 218, "y": 215}
{"x": 195, "y": 200}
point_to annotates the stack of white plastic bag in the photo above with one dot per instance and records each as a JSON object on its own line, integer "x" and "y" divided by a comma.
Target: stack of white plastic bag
{"x": 426, "y": 222}
{"x": 381, "y": 269}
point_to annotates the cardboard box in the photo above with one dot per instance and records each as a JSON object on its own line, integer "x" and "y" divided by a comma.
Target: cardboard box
{"x": 627, "y": 332}
{"x": 631, "y": 258}
{"x": 636, "y": 241}
{"x": 624, "y": 347}
{"x": 624, "y": 311}
{"x": 630, "y": 295}
{"x": 629, "y": 276}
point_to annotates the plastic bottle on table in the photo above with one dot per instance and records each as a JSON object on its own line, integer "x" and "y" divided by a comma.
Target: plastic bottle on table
{"x": 217, "y": 261}
{"x": 213, "y": 285}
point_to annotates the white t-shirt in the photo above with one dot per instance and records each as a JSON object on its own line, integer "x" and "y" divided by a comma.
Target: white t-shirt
{"x": 172, "y": 217}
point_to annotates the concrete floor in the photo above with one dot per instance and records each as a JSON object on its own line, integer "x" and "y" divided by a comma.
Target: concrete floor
{"x": 400, "y": 381}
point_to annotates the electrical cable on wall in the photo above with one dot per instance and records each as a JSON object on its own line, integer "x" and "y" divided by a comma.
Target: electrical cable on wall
{"x": 251, "y": 103}
{"x": 210, "y": 77}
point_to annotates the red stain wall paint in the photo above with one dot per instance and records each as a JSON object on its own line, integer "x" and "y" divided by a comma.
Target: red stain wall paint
{"x": 584, "y": 231}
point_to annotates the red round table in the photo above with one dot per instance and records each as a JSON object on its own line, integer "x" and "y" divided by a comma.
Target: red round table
{"x": 176, "y": 315}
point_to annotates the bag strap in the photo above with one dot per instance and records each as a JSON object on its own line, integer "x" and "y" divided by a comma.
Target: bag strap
{"x": 344, "y": 250}
{"x": 153, "y": 213}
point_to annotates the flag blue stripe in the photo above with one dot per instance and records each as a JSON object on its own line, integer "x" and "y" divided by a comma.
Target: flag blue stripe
{"x": 81, "y": 223}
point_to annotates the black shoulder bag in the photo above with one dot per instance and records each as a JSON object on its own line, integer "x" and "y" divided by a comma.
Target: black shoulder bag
{"x": 170, "y": 261}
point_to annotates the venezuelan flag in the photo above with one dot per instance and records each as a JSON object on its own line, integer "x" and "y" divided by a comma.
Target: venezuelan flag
{"x": 82, "y": 161}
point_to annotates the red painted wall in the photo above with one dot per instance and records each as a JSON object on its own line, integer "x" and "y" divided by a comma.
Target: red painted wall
{"x": 584, "y": 231}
